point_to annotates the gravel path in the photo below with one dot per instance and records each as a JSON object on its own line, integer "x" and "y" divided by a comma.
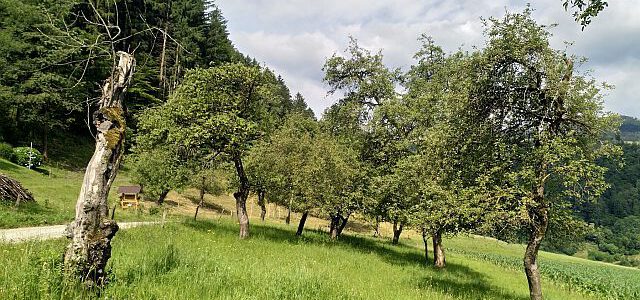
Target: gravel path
{"x": 17, "y": 235}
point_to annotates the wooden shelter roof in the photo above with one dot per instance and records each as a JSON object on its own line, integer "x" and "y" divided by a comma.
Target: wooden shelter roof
{"x": 129, "y": 189}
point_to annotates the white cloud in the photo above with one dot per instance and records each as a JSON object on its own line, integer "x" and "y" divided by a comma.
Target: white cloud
{"x": 294, "y": 37}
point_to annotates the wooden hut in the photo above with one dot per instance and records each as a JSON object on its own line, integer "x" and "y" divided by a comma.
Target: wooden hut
{"x": 129, "y": 195}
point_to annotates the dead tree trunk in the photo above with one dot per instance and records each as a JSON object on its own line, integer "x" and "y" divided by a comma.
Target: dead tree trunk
{"x": 201, "y": 202}
{"x": 241, "y": 198}
{"x": 91, "y": 231}
{"x": 539, "y": 223}
{"x": 425, "y": 240}
{"x": 397, "y": 230}
{"x": 303, "y": 220}
{"x": 438, "y": 250}
{"x": 263, "y": 205}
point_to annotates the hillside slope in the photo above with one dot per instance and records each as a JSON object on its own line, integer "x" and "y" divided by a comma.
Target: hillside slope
{"x": 205, "y": 260}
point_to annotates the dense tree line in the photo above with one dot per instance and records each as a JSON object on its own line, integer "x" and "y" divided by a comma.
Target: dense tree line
{"x": 54, "y": 60}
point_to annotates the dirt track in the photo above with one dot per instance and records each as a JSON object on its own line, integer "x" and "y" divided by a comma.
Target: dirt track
{"x": 17, "y": 235}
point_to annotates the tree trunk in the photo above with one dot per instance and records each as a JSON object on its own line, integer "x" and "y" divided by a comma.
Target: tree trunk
{"x": 161, "y": 76}
{"x": 376, "y": 229}
{"x": 303, "y": 219}
{"x": 288, "y": 218}
{"x": 241, "y": 198}
{"x": 333, "y": 228}
{"x": 343, "y": 223}
{"x": 397, "y": 230}
{"x": 45, "y": 144}
{"x": 91, "y": 232}
{"x": 163, "y": 195}
{"x": 263, "y": 205}
{"x": 425, "y": 240}
{"x": 438, "y": 250}
{"x": 201, "y": 202}
{"x": 113, "y": 211}
{"x": 539, "y": 224}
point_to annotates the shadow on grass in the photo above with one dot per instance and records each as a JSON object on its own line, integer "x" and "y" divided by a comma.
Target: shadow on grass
{"x": 7, "y": 166}
{"x": 397, "y": 255}
{"x": 208, "y": 205}
{"x": 464, "y": 283}
{"x": 457, "y": 280}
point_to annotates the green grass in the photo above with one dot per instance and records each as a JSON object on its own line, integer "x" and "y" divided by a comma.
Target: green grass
{"x": 206, "y": 260}
{"x": 56, "y": 191}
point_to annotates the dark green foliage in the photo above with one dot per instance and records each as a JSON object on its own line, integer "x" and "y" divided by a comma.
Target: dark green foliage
{"x": 27, "y": 155}
{"x": 6, "y": 152}
{"x": 53, "y": 59}
{"x": 630, "y": 129}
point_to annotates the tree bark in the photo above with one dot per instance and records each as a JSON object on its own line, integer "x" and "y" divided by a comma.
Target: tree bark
{"x": 438, "y": 250}
{"x": 163, "y": 195}
{"x": 343, "y": 223}
{"x": 241, "y": 198}
{"x": 287, "y": 220}
{"x": 161, "y": 76}
{"x": 333, "y": 228}
{"x": 425, "y": 240}
{"x": 91, "y": 232}
{"x": 539, "y": 223}
{"x": 303, "y": 219}
{"x": 45, "y": 142}
{"x": 397, "y": 230}
{"x": 263, "y": 205}
{"x": 337, "y": 225}
{"x": 201, "y": 202}
{"x": 376, "y": 229}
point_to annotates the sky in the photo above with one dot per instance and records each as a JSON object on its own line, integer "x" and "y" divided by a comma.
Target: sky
{"x": 295, "y": 37}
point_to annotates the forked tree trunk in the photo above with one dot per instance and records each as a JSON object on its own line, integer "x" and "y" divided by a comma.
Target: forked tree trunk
{"x": 303, "y": 219}
{"x": 397, "y": 230}
{"x": 343, "y": 223}
{"x": 263, "y": 205}
{"x": 539, "y": 224}
{"x": 438, "y": 250}
{"x": 241, "y": 198}
{"x": 163, "y": 195}
{"x": 201, "y": 202}
{"x": 91, "y": 232}
{"x": 425, "y": 240}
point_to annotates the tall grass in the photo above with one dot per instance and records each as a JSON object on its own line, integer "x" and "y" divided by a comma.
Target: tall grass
{"x": 206, "y": 260}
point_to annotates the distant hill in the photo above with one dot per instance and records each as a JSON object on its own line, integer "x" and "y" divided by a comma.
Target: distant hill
{"x": 630, "y": 129}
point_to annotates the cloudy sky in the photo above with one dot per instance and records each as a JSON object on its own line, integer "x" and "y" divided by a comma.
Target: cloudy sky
{"x": 295, "y": 37}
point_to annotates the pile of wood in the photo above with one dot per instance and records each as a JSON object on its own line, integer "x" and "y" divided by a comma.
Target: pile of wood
{"x": 12, "y": 190}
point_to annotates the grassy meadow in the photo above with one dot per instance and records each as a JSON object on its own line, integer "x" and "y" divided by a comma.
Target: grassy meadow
{"x": 56, "y": 191}
{"x": 206, "y": 260}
